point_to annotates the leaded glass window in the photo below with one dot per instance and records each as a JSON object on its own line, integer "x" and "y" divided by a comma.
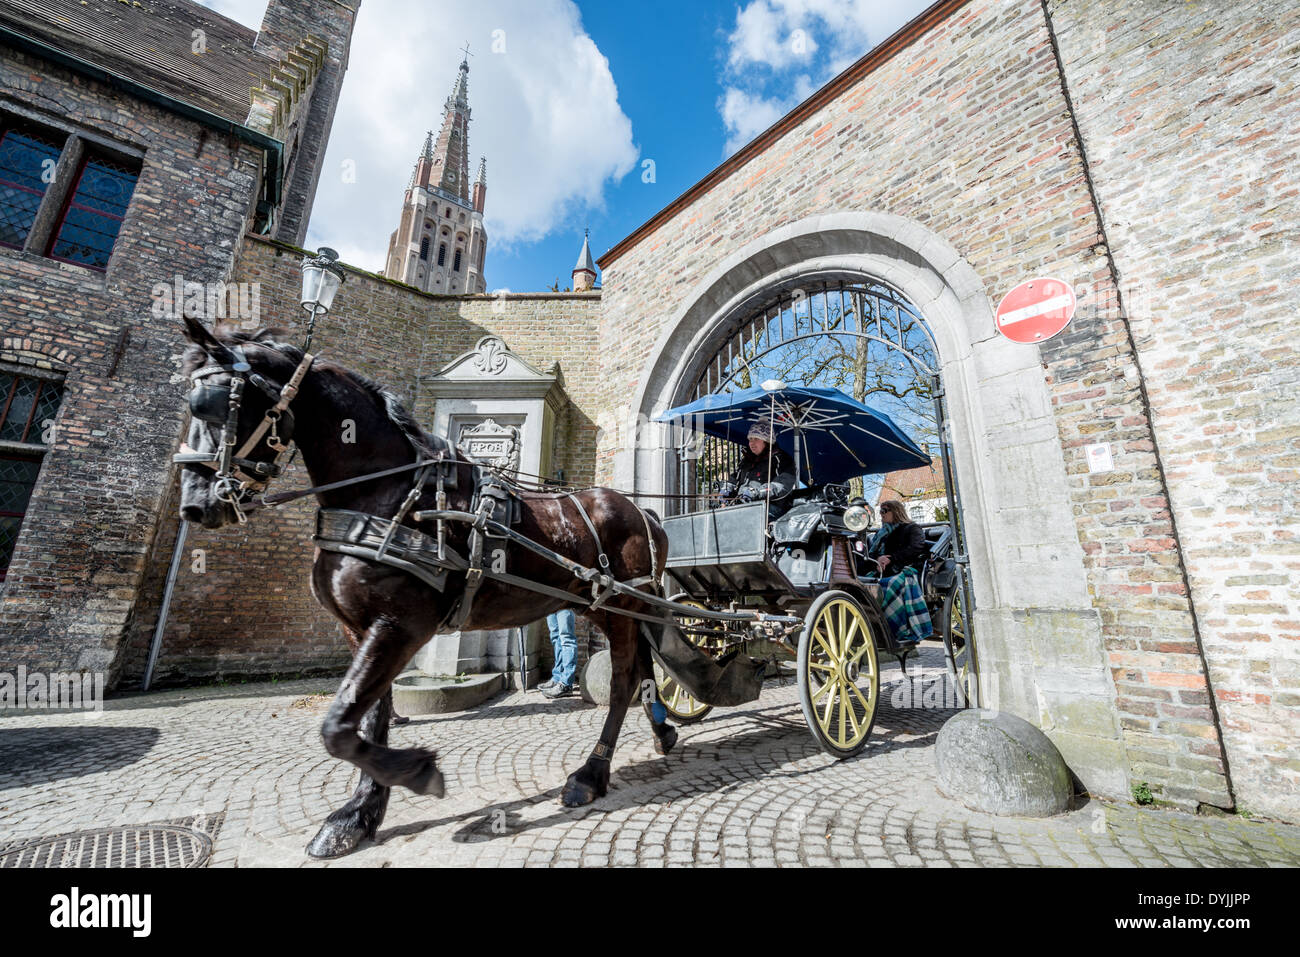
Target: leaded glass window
{"x": 17, "y": 476}
{"x": 27, "y": 162}
{"x": 28, "y": 407}
{"x": 94, "y": 212}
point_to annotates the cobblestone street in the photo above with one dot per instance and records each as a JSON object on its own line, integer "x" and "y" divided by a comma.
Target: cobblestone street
{"x": 747, "y": 786}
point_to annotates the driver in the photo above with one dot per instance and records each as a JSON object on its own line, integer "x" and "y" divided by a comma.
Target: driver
{"x": 765, "y": 472}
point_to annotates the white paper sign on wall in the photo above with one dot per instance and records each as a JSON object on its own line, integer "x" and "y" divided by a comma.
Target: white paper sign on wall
{"x": 1099, "y": 458}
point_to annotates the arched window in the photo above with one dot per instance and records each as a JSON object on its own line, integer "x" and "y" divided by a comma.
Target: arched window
{"x": 424, "y": 248}
{"x": 442, "y": 255}
{"x": 854, "y": 334}
{"x": 456, "y": 263}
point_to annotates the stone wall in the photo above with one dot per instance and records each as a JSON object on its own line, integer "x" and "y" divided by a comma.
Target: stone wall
{"x": 951, "y": 168}
{"x": 1188, "y": 113}
{"x": 251, "y": 612}
{"x": 73, "y": 586}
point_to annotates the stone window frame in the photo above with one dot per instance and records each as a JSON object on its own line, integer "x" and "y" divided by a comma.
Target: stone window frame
{"x": 78, "y": 145}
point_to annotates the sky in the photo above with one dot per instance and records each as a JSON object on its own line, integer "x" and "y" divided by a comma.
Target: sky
{"x": 592, "y": 114}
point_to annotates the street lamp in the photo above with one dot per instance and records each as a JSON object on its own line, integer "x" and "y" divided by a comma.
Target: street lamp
{"x": 321, "y": 277}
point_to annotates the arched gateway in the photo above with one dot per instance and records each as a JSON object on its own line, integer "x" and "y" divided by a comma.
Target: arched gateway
{"x": 1039, "y": 635}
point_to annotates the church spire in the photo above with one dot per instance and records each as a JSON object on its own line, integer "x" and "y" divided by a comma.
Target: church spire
{"x": 584, "y": 273}
{"x": 440, "y": 241}
{"x": 480, "y": 184}
{"x": 460, "y": 92}
{"x": 449, "y": 156}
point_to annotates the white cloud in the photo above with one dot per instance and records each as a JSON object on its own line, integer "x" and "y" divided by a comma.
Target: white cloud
{"x": 545, "y": 113}
{"x": 780, "y": 51}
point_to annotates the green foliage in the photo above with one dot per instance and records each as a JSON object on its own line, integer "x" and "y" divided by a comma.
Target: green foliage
{"x": 1142, "y": 793}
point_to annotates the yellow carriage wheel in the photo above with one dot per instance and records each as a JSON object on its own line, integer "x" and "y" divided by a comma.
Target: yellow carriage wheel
{"x": 681, "y": 705}
{"x": 959, "y": 646}
{"x": 839, "y": 675}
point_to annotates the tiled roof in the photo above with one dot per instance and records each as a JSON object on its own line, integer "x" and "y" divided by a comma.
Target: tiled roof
{"x": 904, "y": 483}
{"x": 152, "y": 42}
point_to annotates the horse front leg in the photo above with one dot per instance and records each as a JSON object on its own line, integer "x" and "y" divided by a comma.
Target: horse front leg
{"x": 359, "y": 819}
{"x": 592, "y": 779}
{"x": 665, "y": 733}
{"x": 383, "y": 653}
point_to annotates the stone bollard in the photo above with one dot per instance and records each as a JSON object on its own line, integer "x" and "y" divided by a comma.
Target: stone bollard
{"x": 994, "y": 762}
{"x": 595, "y": 678}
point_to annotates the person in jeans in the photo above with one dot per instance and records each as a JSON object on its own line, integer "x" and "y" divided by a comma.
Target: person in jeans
{"x": 565, "y": 644}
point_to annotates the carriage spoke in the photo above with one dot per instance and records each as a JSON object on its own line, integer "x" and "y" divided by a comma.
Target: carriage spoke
{"x": 822, "y": 690}
{"x": 853, "y": 712}
{"x": 844, "y": 710}
{"x": 866, "y": 708}
{"x": 830, "y": 703}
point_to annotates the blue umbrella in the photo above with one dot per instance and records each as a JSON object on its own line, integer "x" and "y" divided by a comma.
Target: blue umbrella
{"x": 832, "y": 437}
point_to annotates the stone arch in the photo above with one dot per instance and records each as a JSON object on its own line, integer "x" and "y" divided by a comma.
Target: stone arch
{"x": 1010, "y": 467}
{"x": 28, "y": 351}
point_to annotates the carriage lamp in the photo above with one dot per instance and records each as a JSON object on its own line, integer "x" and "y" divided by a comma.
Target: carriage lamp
{"x": 856, "y": 518}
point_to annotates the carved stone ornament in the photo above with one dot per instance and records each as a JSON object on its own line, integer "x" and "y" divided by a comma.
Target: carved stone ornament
{"x": 492, "y": 444}
{"x": 490, "y": 356}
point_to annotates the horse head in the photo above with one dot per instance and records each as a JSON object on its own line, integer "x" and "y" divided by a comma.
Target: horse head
{"x": 235, "y": 436}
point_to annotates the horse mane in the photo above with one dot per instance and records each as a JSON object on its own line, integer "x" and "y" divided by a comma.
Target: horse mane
{"x": 397, "y": 412}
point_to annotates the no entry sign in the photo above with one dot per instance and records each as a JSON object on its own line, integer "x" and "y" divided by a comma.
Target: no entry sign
{"x": 1036, "y": 310}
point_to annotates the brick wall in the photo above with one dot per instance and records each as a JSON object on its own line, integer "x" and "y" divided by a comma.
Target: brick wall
{"x": 251, "y": 611}
{"x": 73, "y": 584}
{"x": 1189, "y": 117}
{"x": 967, "y": 133}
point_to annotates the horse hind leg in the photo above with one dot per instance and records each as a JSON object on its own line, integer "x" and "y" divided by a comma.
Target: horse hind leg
{"x": 665, "y": 734}
{"x": 591, "y": 781}
{"x": 359, "y": 819}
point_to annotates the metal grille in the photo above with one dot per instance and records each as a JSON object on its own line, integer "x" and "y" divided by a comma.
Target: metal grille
{"x": 859, "y": 337}
{"x": 27, "y": 405}
{"x": 27, "y": 164}
{"x": 94, "y": 213}
{"x": 168, "y": 844}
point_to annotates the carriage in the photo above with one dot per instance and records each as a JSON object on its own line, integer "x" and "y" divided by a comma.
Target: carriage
{"x": 796, "y": 591}
{"x": 469, "y": 548}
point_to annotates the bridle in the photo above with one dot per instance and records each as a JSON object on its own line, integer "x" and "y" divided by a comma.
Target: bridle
{"x": 238, "y": 476}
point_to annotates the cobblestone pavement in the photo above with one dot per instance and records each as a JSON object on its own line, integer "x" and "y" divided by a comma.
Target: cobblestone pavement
{"x": 747, "y": 786}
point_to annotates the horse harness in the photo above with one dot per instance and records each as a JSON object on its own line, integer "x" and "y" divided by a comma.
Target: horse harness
{"x": 237, "y": 475}
{"x": 495, "y": 502}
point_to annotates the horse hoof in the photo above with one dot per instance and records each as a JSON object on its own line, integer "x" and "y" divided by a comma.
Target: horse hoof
{"x": 429, "y": 781}
{"x": 576, "y": 794}
{"x": 665, "y": 742}
{"x": 334, "y": 840}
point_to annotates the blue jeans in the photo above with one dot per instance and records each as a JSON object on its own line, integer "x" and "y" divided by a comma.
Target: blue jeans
{"x": 565, "y": 644}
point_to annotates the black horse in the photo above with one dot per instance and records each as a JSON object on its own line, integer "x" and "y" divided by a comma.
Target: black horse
{"x": 387, "y": 613}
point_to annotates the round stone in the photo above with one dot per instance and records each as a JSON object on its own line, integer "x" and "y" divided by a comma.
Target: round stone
{"x": 994, "y": 762}
{"x": 595, "y": 678}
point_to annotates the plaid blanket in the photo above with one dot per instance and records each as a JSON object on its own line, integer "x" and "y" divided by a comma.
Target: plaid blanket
{"x": 905, "y": 609}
